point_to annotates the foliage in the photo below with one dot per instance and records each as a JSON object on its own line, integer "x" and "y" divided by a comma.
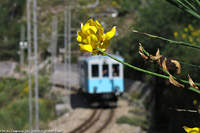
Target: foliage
{"x": 11, "y": 13}
{"x": 127, "y": 6}
{"x": 188, "y": 34}
{"x": 135, "y": 95}
{"x": 180, "y": 52}
{"x": 151, "y": 19}
{"x": 160, "y": 18}
{"x": 136, "y": 120}
{"x": 13, "y": 86}
{"x": 14, "y": 110}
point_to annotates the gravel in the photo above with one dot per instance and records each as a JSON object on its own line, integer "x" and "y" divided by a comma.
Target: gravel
{"x": 75, "y": 117}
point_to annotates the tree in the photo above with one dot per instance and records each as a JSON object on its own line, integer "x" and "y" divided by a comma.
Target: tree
{"x": 10, "y": 21}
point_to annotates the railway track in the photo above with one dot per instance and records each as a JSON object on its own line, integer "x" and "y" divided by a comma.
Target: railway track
{"x": 94, "y": 121}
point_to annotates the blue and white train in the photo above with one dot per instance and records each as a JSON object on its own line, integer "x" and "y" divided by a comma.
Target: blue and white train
{"x": 101, "y": 77}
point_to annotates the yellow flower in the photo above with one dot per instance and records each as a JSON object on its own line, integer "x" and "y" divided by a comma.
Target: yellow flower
{"x": 175, "y": 34}
{"x": 199, "y": 109}
{"x": 194, "y": 33}
{"x": 190, "y": 27}
{"x": 194, "y": 102}
{"x": 183, "y": 35}
{"x": 190, "y": 39}
{"x": 186, "y": 29}
{"x": 192, "y": 130}
{"x": 92, "y": 35}
{"x": 114, "y": 3}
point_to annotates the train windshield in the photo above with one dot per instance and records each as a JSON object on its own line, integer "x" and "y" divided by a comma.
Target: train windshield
{"x": 115, "y": 72}
{"x": 95, "y": 70}
{"x": 105, "y": 70}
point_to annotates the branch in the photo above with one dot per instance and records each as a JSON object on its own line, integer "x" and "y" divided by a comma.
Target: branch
{"x": 185, "y": 110}
{"x": 187, "y": 6}
{"x": 167, "y": 40}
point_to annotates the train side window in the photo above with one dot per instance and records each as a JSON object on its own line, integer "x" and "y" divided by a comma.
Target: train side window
{"x": 105, "y": 70}
{"x": 115, "y": 71}
{"x": 95, "y": 70}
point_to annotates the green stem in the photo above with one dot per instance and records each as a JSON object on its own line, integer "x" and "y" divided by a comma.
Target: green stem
{"x": 145, "y": 71}
{"x": 185, "y": 8}
{"x": 198, "y": 2}
{"x": 134, "y": 67}
{"x": 191, "y": 5}
{"x": 168, "y": 40}
{"x": 193, "y": 13}
{"x": 183, "y": 5}
{"x": 193, "y": 89}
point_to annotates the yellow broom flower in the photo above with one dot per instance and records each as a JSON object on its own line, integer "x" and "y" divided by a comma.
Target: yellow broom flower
{"x": 92, "y": 35}
{"x": 192, "y": 130}
{"x": 175, "y": 34}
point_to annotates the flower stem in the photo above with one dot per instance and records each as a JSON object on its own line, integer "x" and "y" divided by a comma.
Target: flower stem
{"x": 134, "y": 67}
{"x": 167, "y": 40}
{"x": 146, "y": 71}
{"x": 193, "y": 89}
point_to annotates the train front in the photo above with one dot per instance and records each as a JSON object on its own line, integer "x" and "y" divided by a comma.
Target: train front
{"x": 103, "y": 78}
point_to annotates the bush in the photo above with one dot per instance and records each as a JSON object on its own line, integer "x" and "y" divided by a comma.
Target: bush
{"x": 136, "y": 120}
{"x": 14, "y": 108}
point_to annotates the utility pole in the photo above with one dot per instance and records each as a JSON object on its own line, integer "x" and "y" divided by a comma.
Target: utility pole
{"x": 69, "y": 48}
{"x": 36, "y": 63}
{"x": 53, "y": 47}
{"x": 65, "y": 47}
{"x": 29, "y": 63}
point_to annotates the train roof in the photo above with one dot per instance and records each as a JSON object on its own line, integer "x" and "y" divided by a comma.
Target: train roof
{"x": 95, "y": 57}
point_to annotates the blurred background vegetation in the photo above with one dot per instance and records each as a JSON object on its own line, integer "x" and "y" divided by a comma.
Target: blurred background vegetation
{"x": 14, "y": 111}
{"x": 151, "y": 16}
